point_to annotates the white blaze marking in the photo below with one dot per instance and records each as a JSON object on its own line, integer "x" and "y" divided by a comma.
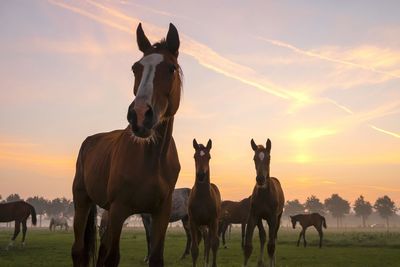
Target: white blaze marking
{"x": 261, "y": 155}
{"x": 202, "y": 153}
{"x": 149, "y": 63}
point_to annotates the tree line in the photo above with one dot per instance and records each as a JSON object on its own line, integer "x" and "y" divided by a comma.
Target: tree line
{"x": 339, "y": 207}
{"x": 50, "y": 207}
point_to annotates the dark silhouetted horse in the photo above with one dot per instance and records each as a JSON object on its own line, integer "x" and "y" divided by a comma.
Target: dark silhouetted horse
{"x": 235, "y": 212}
{"x": 307, "y": 220}
{"x": 267, "y": 203}
{"x": 19, "y": 212}
{"x": 204, "y": 206}
{"x": 133, "y": 170}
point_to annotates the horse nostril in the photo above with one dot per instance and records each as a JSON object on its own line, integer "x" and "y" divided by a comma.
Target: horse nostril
{"x": 132, "y": 118}
{"x": 148, "y": 118}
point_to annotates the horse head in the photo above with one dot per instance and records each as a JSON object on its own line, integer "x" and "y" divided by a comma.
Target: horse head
{"x": 262, "y": 158}
{"x": 202, "y": 159}
{"x": 157, "y": 86}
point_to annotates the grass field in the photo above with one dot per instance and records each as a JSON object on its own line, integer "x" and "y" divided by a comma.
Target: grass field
{"x": 342, "y": 248}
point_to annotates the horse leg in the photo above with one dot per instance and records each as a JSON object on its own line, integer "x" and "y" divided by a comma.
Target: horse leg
{"x": 214, "y": 241}
{"x": 160, "y": 222}
{"x": 146, "y": 219}
{"x": 194, "y": 232}
{"x": 248, "y": 243}
{"x": 243, "y": 233}
{"x": 300, "y": 235}
{"x": 185, "y": 223}
{"x": 321, "y": 234}
{"x": 117, "y": 216}
{"x": 80, "y": 256}
{"x": 304, "y": 237}
{"x": 17, "y": 229}
{"x": 24, "y": 228}
{"x": 223, "y": 229}
{"x": 263, "y": 238}
{"x": 272, "y": 224}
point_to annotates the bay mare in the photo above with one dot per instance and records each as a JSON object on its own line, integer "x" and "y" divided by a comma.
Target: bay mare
{"x": 235, "y": 212}
{"x": 307, "y": 220}
{"x": 179, "y": 212}
{"x": 58, "y": 221}
{"x": 133, "y": 170}
{"x": 17, "y": 211}
{"x": 267, "y": 203}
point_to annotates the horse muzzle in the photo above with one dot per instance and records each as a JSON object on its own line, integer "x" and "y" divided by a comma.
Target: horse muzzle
{"x": 141, "y": 119}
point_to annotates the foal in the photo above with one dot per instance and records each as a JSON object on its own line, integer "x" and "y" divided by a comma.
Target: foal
{"x": 267, "y": 203}
{"x": 204, "y": 205}
{"x": 307, "y": 220}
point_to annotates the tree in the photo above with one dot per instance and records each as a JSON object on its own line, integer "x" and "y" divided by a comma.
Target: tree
{"x": 313, "y": 204}
{"x": 362, "y": 209}
{"x": 293, "y": 207}
{"x": 338, "y": 207}
{"x": 385, "y": 207}
{"x": 40, "y": 204}
{"x": 58, "y": 206}
{"x": 13, "y": 197}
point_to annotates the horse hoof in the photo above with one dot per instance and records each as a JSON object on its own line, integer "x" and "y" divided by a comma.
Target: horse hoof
{"x": 225, "y": 247}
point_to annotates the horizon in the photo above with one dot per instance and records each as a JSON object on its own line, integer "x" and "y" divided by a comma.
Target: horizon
{"x": 320, "y": 80}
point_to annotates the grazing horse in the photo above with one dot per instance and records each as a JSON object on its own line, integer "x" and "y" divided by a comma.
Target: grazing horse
{"x": 57, "y": 221}
{"x": 179, "y": 212}
{"x": 133, "y": 170}
{"x": 307, "y": 220}
{"x": 235, "y": 212}
{"x": 204, "y": 206}
{"x": 19, "y": 212}
{"x": 267, "y": 203}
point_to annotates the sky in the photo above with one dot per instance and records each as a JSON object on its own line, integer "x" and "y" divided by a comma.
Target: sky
{"x": 319, "y": 78}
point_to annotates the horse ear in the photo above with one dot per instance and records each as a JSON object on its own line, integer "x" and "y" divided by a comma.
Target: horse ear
{"x": 195, "y": 144}
{"x": 268, "y": 146}
{"x": 209, "y": 144}
{"x": 142, "y": 41}
{"x": 253, "y": 145}
{"x": 173, "y": 40}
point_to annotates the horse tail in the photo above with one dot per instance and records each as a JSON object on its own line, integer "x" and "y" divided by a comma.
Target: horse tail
{"x": 323, "y": 221}
{"x": 90, "y": 234}
{"x": 33, "y": 214}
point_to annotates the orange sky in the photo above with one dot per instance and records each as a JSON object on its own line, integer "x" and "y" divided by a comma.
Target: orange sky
{"x": 319, "y": 80}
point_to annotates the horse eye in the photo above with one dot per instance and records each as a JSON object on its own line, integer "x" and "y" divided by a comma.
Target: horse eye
{"x": 134, "y": 67}
{"x": 172, "y": 68}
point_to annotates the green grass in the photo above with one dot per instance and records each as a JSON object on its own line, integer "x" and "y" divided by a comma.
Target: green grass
{"x": 342, "y": 248}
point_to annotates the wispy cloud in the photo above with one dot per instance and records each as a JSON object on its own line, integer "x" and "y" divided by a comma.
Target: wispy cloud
{"x": 363, "y": 54}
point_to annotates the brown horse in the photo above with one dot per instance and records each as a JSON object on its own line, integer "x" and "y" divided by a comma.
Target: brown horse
{"x": 235, "y": 212}
{"x": 267, "y": 203}
{"x": 19, "y": 212}
{"x": 204, "y": 205}
{"x": 307, "y": 220}
{"x": 132, "y": 170}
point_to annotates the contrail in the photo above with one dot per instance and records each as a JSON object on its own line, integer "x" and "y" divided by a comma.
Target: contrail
{"x": 326, "y": 58}
{"x": 384, "y": 131}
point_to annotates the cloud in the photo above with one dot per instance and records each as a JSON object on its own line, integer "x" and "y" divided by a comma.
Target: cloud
{"x": 366, "y": 57}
